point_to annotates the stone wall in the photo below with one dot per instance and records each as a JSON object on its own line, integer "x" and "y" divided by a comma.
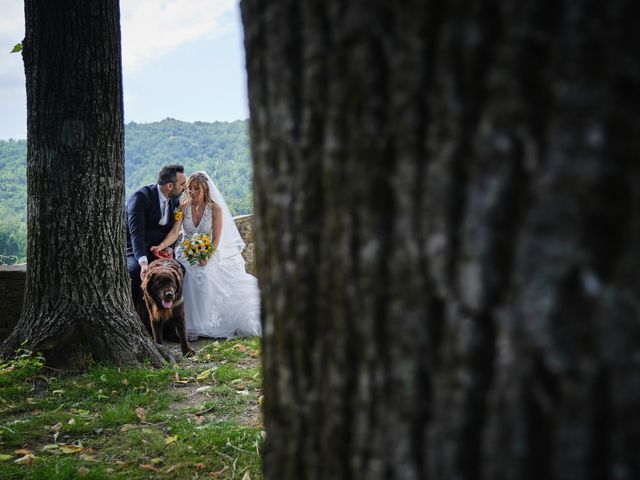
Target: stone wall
{"x": 11, "y": 291}
{"x": 12, "y": 278}
{"x": 245, "y": 227}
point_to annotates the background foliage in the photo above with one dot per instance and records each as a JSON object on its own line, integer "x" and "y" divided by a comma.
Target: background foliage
{"x": 220, "y": 148}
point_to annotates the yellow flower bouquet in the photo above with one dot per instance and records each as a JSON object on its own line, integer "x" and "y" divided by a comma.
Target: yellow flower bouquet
{"x": 197, "y": 248}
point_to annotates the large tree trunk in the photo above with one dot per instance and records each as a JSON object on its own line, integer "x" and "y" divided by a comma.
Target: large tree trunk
{"x": 448, "y": 231}
{"x": 77, "y": 301}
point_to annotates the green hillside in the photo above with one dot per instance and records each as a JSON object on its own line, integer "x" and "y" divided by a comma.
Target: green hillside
{"x": 220, "y": 148}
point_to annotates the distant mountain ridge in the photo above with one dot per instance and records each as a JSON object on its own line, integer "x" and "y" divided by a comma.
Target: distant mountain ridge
{"x": 220, "y": 148}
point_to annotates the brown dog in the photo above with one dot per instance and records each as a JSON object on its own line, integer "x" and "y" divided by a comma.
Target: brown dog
{"x": 162, "y": 290}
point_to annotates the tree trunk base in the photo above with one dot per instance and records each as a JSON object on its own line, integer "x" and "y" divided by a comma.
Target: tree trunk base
{"x": 78, "y": 341}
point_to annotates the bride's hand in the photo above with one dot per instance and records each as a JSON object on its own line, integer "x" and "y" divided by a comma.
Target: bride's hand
{"x": 203, "y": 262}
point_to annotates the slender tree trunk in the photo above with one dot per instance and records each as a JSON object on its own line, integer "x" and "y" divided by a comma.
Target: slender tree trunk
{"x": 77, "y": 301}
{"x": 447, "y": 225}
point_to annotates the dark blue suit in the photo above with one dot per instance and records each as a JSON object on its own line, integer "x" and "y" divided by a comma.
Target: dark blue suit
{"x": 142, "y": 215}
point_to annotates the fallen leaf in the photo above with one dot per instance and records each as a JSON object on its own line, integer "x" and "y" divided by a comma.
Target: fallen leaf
{"x": 156, "y": 460}
{"x": 219, "y": 472}
{"x": 171, "y": 468}
{"x": 171, "y": 439}
{"x": 243, "y": 392}
{"x": 4, "y": 457}
{"x": 126, "y": 427}
{"x": 26, "y": 460}
{"x": 125, "y": 382}
{"x": 23, "y": 451}
{"x": 202, "y": 376}
{"x": 56, "y": 427}
{"x": 148, "y": 468}
{"x": 246, "y": 476}
{"x": 241, "y": 348}
{"x": 70, "y": 449}
{"x": 71, "y": 421}
{"x": 51, "y": 446}
{"x": 141, "y": 414}
{"x": 199, "y": 419}
{"x": 204, "y": 389}
{"x": 58, "y": 392}
{"x": 199, "y": 466}
{"x": 83, "y": 471}
{"x": 261, "y": 401}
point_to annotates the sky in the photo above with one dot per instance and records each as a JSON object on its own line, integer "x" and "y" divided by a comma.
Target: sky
{"x": 182, "y": 59}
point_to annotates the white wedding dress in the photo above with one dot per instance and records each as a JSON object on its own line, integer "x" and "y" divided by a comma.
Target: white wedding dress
{"x": 221, "y": 300}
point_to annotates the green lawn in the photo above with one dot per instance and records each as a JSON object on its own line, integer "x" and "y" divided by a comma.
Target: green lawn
{"x": 199, "y": 419}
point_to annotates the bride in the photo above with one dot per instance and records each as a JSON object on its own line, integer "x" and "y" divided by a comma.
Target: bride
{"x": 221, "y": 300}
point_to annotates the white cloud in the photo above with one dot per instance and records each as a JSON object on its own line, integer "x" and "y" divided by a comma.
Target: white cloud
{"x": 12, "y": 22}
{"x": 152, "y": 28}
{"x": 13, "y": 116}
{"x": 11, "y": 32}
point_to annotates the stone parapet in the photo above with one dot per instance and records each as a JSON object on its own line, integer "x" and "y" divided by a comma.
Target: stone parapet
{"x": 12, "y": 293}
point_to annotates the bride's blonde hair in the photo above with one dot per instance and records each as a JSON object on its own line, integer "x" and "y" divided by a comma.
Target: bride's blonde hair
{"x": 200, "y": 180}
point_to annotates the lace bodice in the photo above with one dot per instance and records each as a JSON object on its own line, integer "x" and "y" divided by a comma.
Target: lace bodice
{"x": 205, "y": 226}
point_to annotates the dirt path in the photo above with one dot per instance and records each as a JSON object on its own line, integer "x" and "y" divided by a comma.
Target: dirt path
{"x": 199, "y": 398}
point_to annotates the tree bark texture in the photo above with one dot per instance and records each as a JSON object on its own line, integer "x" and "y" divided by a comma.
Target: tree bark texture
{"x": 77, "y": 301}
{"x": 447, "y": 225}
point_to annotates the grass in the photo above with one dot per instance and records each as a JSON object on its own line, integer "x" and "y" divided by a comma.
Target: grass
{"x": 199, "y": 419}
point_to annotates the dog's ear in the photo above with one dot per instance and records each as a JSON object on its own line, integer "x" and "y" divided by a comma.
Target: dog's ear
{"x": 177, "y": 281}
{"x": 147, "y": 279}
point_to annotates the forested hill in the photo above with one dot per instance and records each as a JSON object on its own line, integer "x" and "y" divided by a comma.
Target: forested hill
{"x": 220, "y": 148}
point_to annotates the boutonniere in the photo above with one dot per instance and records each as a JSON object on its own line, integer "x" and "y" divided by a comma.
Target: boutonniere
{"x": 177, "y": 214}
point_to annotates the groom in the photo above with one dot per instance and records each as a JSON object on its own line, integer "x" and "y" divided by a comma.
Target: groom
{"x": 150, "y": 216}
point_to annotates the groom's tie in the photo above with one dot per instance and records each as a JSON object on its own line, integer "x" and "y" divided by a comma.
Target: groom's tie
{"x": 165, "y": 212}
